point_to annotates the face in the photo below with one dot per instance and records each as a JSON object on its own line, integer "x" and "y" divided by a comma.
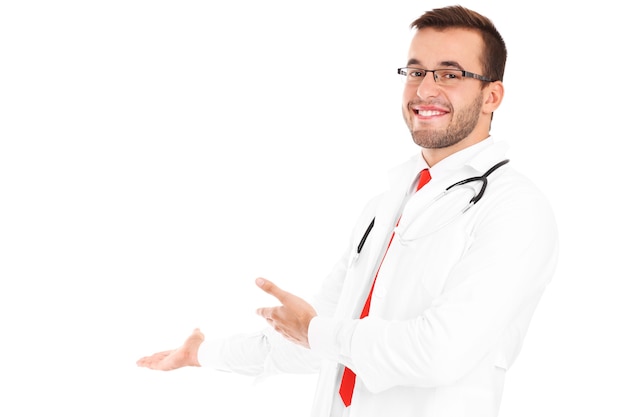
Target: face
{"x": 446, "y": 119}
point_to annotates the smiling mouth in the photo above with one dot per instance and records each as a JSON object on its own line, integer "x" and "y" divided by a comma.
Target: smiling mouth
{"x": 428, "y": 113}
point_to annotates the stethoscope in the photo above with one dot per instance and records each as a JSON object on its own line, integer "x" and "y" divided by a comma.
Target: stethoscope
{"x": 472, "y": 202}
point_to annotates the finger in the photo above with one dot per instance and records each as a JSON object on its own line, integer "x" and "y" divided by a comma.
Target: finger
{"x": 158, "y": 355}
{"x": 266, "y": 312}
{"x": 149, "y": 361}
{"x": 271, "y": 288}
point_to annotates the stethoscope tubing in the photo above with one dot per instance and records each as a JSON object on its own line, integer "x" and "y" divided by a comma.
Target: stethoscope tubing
{"x": 472, "y": 202}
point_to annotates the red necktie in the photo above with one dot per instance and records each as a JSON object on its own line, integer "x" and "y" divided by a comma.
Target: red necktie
{"x": 349, "y": 378}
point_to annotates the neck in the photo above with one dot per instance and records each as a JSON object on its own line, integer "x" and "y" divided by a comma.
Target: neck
{"x": 433, "y": 156}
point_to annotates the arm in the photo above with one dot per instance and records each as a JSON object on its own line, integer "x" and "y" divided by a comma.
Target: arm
{"x": 260, "y": 353}
{"x": 267, "y": 351}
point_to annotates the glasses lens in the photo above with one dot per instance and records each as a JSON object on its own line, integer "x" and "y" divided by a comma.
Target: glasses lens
{"x": 442, "y": 76}
{"x": 411, "y": 75}
{"x": 448, "y": 76}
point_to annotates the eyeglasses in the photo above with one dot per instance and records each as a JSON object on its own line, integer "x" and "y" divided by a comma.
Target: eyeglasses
{"x": 447, "y": 77}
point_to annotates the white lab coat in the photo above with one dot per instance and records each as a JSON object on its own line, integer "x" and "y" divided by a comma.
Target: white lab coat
{"x": 449, "y": 310}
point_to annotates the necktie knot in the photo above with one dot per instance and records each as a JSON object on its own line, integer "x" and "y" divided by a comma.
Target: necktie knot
{"x": 423, "y": 178}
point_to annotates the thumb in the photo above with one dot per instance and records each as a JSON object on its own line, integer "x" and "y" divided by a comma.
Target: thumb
{"x": 271, "y": 288}
{"x": 192, "y": 345}
{"x": 196, "y": 338}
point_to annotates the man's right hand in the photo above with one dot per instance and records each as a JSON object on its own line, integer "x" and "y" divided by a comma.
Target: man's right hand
{"x": 186, "y": 355}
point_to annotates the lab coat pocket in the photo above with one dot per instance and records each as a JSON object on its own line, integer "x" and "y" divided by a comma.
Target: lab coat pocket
{"x": 437, "y": 255}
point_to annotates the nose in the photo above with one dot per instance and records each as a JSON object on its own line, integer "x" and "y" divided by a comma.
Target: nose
{"x": 428, "y": 87}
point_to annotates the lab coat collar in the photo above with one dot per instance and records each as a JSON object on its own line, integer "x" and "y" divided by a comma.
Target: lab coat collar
{"x": 480, "y": 157}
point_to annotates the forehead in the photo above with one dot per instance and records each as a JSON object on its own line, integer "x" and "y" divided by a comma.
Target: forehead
{"x": 431, "y": 47}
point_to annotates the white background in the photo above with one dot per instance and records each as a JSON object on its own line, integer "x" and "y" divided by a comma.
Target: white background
{"x": 157, "y": 156}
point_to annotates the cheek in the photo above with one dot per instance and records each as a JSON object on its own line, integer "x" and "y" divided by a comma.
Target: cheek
{"x": 408, "y": 94}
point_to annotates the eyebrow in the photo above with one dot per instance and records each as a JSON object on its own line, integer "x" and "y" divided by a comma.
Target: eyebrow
{"x": 446, "y": 64}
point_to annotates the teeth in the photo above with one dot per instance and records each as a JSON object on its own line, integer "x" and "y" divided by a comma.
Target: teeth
{"x": 427, "y": 113}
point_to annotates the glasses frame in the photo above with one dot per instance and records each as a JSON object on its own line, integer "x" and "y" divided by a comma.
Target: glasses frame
{"x": 465, "y": 74}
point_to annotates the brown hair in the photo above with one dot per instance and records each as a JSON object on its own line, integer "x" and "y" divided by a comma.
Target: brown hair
{"x": 494, "y": 52}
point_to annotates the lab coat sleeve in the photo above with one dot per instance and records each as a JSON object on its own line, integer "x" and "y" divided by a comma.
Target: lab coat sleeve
{"x": 489, "y": 294}
{"x": 260, "y": 354}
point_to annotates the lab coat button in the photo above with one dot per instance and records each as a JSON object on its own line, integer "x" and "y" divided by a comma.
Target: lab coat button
{"x": 380, "y": 291}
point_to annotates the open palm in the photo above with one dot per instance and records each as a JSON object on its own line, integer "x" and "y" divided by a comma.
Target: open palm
{"x": 185, "y": 355}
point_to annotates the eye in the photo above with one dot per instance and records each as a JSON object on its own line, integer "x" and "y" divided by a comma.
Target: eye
{"x": 416, "y": 72}
{"x": 450, "y": 74}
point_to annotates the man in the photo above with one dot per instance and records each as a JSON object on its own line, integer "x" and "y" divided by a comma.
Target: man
{"x": 428, "y": 308}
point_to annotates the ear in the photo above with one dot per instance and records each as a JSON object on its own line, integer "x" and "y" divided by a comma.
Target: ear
{"x": 494, "y": 93}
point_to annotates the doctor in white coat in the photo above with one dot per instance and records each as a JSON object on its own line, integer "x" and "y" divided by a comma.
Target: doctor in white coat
{"x": 429, "y": 305}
